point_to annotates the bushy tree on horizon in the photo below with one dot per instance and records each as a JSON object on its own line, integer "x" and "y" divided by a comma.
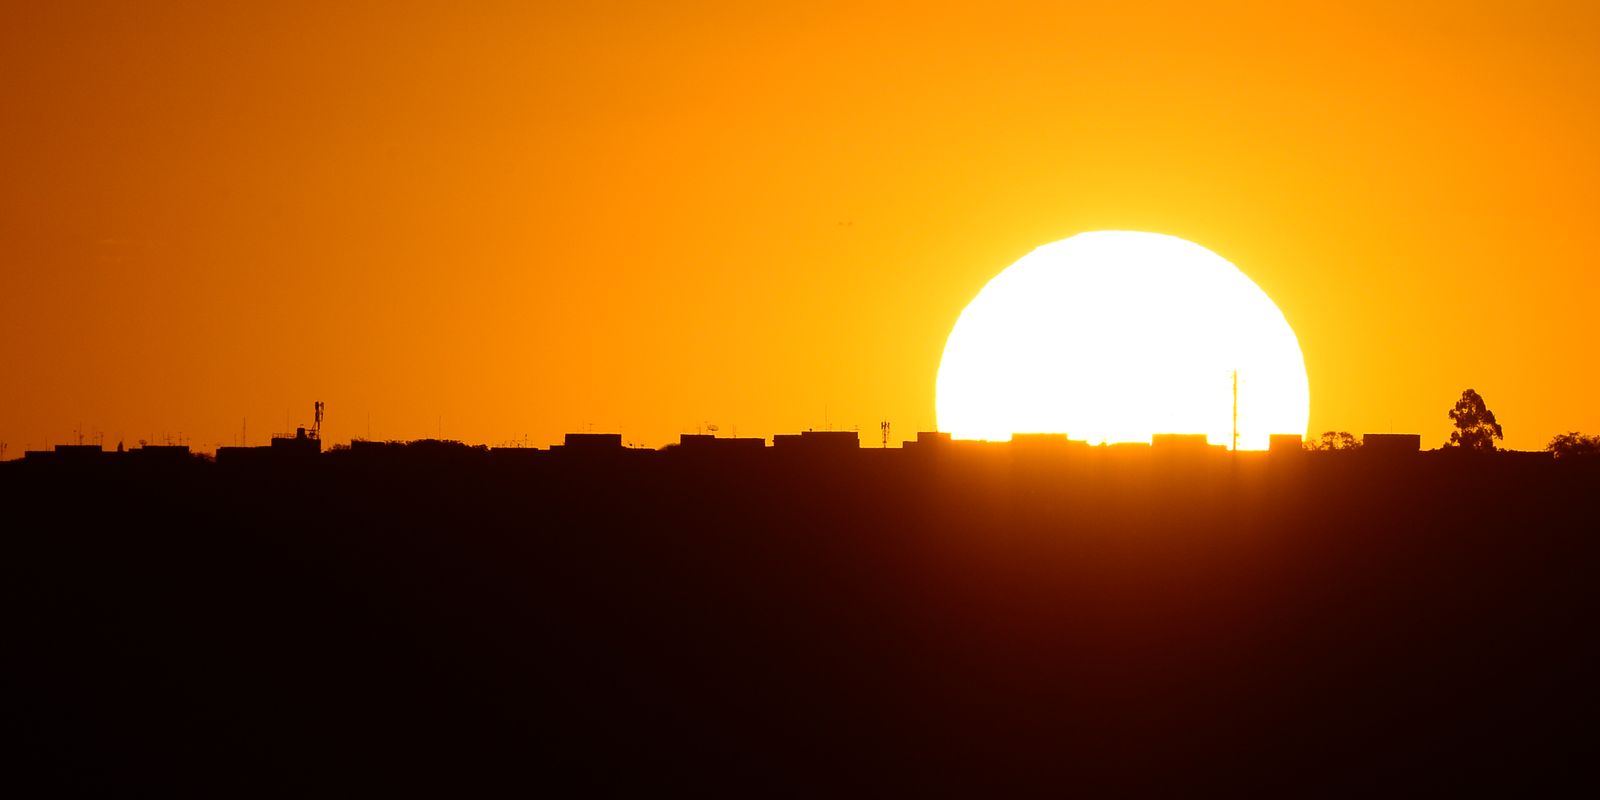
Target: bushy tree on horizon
{"x": 1574, "y": 445}
{"x": 1334, "y": 440}
{"x": 1476, "y": 428}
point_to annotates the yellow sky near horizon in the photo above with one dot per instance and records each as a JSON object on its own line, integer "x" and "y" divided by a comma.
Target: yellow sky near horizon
{"x": 491, "y": 220}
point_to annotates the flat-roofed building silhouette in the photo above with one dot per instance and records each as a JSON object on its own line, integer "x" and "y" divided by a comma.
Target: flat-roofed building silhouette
{"x": 438, "y": 451}
{"x": 1285, "y": 443}
{"x": 232, "y": 456}
{"x": 67, "y": 454}
{"x": 928, "y": 440}
{"x": 590, "y": 442}
{"x": 1127, "y": 447}
{"x": 300, "y": 444}
{"x": 597, "y": 448}
{"x": 161, "y": 454}
{"x": 817, "y": 441}
{"x": 1182, "y": 443}
{"x": 702, "y": 443}
{"x": 1046, "y": 444}
{"x": 79, "y": 450}
{"x": 1045, "y": 439}
{"x": 516, "y": 455}
{"x": 296, "y": 448}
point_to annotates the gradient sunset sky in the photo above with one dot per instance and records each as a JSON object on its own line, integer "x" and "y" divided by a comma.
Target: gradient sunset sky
{"x": 495, "y": 220}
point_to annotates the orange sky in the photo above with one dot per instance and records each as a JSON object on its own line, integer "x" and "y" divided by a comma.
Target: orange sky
{"x": 506, "y": 222}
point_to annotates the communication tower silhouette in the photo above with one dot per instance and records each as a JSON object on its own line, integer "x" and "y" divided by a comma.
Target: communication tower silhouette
{"x": 1236, "y": 411}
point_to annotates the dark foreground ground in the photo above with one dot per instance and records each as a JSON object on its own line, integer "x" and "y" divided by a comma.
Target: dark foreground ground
{"x": 1324, "y": 624}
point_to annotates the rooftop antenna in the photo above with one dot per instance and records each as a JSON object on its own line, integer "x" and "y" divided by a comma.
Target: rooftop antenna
{"x": 316, "y": 421}
{"x": 884, "y": 426}
{"x": 1236, "y": 411}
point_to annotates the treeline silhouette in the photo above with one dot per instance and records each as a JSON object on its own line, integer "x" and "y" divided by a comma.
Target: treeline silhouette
{"x": 940, "y": 620}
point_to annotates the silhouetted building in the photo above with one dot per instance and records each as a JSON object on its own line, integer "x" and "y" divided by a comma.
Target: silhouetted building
{"x": 420, "y": 451}
{"x": 79, "y": 450}
{"x": 1284, "y": 443}
{"x": 300, "y": 444}
{"x": 1045, "y": 439}
{"x": 596, "y": 447}
{"x": 1182, "y": 443}
{"x": 233, "y": 456}
{"x": 980, "y": 447}
{"x": 299, "y": 447}
{"x": 592, "y": 441}
{"x": 517, "y": 455}
{"x": 67, "y": 454}
{"x": 817, "y": 441}
{"x": 1387, "y": 443}
{"x": 161, "y": 454}
{"x": 1044, "y": 444}
{"x": 928, "y": 440}
{"x": 706, "y": 443}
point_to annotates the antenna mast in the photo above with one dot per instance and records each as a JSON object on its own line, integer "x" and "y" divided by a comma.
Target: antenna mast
{"x": 316, "y": 422}
{"x": 884, "y": 426}
{"x": 1236, "y": 411}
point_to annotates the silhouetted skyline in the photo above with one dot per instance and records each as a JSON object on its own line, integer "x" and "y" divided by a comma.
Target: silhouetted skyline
{"x": 725, "y": 617}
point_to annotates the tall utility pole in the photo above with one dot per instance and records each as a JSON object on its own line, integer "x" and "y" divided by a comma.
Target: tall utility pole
{"x": 1236, "y": 411}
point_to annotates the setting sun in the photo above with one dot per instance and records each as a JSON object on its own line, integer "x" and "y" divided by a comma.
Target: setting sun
{"x": 1113, "y": 336}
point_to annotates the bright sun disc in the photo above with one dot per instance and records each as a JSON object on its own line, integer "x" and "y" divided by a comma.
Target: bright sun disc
{"x": 1112, "y": 336}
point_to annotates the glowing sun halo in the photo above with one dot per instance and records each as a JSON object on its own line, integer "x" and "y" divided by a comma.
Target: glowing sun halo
{"x": 1112, "y": 336}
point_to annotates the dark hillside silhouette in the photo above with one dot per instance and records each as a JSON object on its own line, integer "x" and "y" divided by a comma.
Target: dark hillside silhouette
{"x": 805, "y": 620}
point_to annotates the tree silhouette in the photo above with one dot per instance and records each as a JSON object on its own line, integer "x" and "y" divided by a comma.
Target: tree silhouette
{"x": 1333, "y": 440}
{"x": 1476, "y": 428}
{"x": 1574, "y": 445}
